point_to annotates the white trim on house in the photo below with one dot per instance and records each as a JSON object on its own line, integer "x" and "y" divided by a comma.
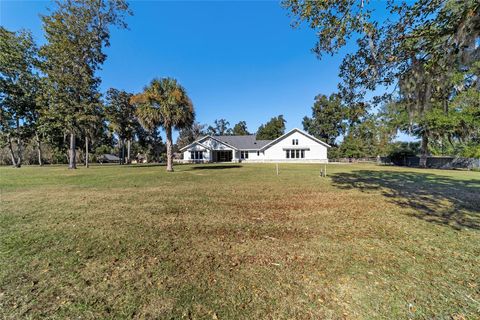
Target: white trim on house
{"x": 302, "y": 148}
{"x": 203, "y": 138}
{"x": 299, "y": 131}
{"x": 199, "y": 144}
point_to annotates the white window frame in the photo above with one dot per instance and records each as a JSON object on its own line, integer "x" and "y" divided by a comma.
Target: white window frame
{"x": 295, "y": 153}
{"x": 196, "y": 155}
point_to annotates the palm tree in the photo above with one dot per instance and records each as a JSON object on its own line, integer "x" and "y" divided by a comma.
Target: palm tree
{"x": 164, "y": 103}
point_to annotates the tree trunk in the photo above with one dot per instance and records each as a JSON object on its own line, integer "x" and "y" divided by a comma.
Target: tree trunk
{"x": 129, "y": 142}
{"x": 120, "y": 150}
{"x": 123, "y": 151}
{"x": 86, "y": 151}
{"x": 19, "y": 146}
{"x": 72, "y": 161}
{"x": 12, "y": 154}
{"x": 19, "y": 153}
{"x": 424, "y": 151}
{"x": 39, "y": 149}
{"x": 169, "y": 149}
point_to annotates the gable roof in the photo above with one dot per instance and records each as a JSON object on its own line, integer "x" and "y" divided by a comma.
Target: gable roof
{"x": 197, "y": 142}
{"x": 292, "y": 131}
{"x": 110, "y": 157}
{"x": 216, "y": 138}
{"x": 249, "y": 142}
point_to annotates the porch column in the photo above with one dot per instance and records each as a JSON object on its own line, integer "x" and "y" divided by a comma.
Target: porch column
{"x": 234, "y": 156}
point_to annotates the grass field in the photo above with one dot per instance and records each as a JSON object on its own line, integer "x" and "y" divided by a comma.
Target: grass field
{"x": 239, "y": 242}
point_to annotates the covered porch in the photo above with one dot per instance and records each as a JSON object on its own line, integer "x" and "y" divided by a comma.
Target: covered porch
{"x": 222, "y": 156}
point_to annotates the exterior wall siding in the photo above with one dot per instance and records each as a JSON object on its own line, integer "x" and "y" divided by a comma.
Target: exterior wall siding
{"x": 197, "y": 147}
{"x": 254, "y": 156}
{"x": 215, "y": 145}
{"x": 316, "y": 153}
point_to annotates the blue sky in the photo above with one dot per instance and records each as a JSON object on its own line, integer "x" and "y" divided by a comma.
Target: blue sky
{"x": 237, "y": 60}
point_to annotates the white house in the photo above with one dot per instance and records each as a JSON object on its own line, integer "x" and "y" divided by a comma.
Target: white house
{"x": 294, "y": 146}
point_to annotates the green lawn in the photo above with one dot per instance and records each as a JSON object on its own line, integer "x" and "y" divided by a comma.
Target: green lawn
{"x": 239, "y": 242}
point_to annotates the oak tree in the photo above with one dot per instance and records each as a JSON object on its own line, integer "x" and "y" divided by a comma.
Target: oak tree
{"x": 77, "y": 33}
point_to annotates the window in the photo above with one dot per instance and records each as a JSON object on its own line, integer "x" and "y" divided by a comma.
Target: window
{"x": 196, "y": 155}
{"x": 295, "y": 154}
{"x": 258, "y": 153}
{"x": 243, "y": 154}
{"x": 295, "y": 142}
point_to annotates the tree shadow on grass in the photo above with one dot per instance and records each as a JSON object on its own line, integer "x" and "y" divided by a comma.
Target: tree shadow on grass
{"x": 434, "y": 198}
{"x": 216, "y": 167}
{"x": 146, "y": 165}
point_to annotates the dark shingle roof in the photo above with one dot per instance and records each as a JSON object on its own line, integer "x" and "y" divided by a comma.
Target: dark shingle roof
{"x": 243, "y": 142}
{"x": 110, "y": 157}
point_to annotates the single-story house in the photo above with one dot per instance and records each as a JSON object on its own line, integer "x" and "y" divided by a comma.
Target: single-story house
{"x": 294, "y": 146}
{"x": 108, "y": 158}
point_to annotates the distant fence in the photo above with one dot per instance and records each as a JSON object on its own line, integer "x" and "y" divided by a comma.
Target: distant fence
{"x": 354, "y": 160}
{"x": 432, "y": 162}
{"x": 435, "y": 162}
